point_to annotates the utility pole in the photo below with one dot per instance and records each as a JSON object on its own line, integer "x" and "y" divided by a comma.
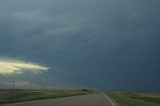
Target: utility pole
{"x": 43, "y": 87}
{"x": 30, "y": 84}
{"x": 13, "y": 86}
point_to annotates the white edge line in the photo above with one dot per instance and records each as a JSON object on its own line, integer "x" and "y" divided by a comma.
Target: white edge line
{"x": 109, "y": 99}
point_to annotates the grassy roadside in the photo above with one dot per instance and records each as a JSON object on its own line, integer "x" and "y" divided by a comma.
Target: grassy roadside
{"x": 24, "y": 95}
{"x": 136, "y": 99}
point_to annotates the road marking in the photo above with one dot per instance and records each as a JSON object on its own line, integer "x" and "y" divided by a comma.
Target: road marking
{"x": 109, "y": 99}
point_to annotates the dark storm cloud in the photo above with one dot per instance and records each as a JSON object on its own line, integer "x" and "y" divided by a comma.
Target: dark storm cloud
{"x": 105, "y": 44}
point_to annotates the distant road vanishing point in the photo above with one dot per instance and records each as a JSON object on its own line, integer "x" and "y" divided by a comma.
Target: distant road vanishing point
{"x": 99, "y": 99}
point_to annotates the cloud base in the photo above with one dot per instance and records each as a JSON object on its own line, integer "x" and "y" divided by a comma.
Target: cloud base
{"x": 11, "y": 66}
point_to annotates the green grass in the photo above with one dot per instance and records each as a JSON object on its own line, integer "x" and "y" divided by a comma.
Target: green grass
{"x": 136, "y": 99}
{"x": 24, "y": 95}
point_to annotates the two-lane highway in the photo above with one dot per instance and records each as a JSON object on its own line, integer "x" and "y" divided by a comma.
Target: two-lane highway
{"x": 99, "y": 99}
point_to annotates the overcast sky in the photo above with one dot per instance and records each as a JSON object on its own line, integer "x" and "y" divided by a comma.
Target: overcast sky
{"x": 105, "y": 44}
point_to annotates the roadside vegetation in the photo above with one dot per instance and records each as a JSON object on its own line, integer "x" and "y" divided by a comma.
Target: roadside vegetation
{"x": 8, "y": 96}
{"x": 136, "y": 99}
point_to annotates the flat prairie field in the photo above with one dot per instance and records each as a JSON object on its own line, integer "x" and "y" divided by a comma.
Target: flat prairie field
{"x": 136, "y": 99}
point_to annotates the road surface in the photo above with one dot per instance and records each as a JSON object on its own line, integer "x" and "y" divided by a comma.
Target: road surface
{"x": 99, "y": 99}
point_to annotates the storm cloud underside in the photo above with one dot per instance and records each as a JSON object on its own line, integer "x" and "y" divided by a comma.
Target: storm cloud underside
{"x": 106, "y": 44}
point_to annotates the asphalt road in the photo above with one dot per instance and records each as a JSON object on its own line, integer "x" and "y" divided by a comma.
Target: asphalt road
{"x": 99, "y": 99}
